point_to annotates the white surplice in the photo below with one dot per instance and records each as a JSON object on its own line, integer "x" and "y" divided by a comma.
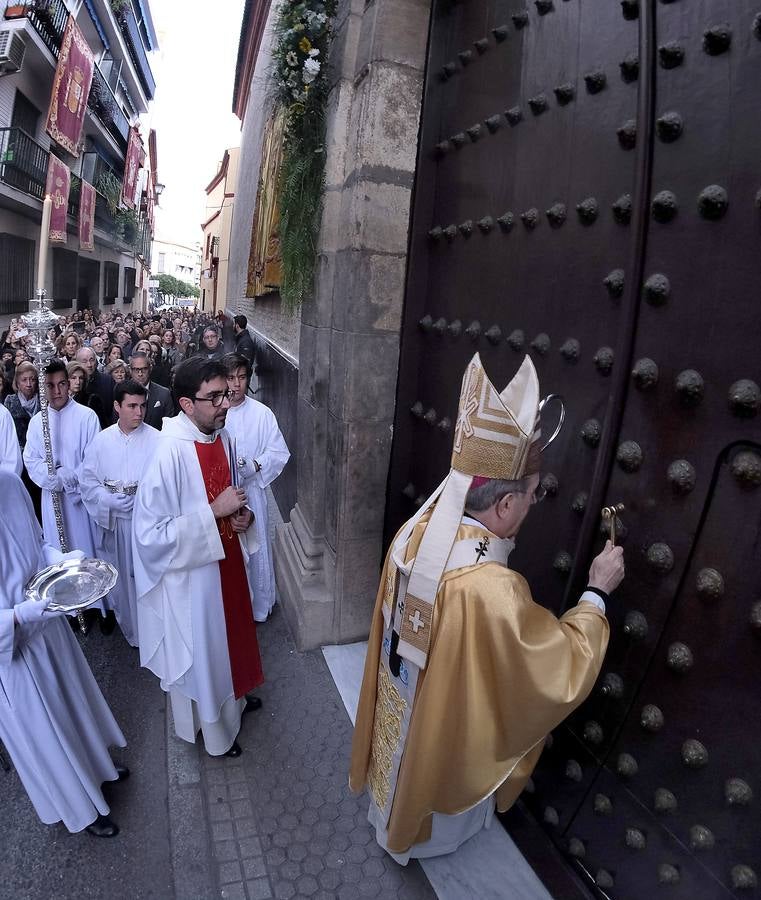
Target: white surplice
{"x": 256, "y": 435}
{"x": 181, "y": 621}
{"x": 54, "y": 721}
{"x": 71, "y": 430}
{"x": 10, "y": 451}
{"x": 116, "y": 456}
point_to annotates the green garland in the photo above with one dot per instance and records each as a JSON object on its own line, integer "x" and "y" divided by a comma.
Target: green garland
{"x": 303, "y": 31}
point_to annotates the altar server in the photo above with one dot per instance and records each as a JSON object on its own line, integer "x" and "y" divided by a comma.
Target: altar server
{"x": 72, "y": 428}
{"x": 10, "y": 451}
{"x": 465, "y": 674}
{"x": 54, "y": 720}
{"x": 191, "y": 534}
{"x": 113, "y": 465}
{"x": 260, "y": 453}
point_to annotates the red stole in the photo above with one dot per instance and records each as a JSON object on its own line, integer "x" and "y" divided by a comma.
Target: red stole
{"x": 242, "y": 645}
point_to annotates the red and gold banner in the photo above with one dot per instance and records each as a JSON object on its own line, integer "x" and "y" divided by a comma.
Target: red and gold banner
{"x": 86, "y": 216}
{"x": 58, "y": 184}
{"x": 135, "y": 157}
{"x": 71, "y": 87}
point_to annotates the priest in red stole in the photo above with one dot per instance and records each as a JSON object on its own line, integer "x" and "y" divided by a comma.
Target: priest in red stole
{"x": 192, "y": 535}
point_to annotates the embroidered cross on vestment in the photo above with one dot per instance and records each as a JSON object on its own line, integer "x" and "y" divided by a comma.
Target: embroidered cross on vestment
{"x": 482, "y": 548}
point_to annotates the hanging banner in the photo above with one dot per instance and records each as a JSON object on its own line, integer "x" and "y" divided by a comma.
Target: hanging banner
{"x": 86, "y": 216}
{"x": 58, "y": 184}
{"x": 71, "y": 87}
{"x": 265, "y": 257}
{"x": 132, "y": 163}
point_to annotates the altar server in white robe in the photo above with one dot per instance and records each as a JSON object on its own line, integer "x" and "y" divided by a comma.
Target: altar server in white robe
{"x": 114, "y": 462}
{"x": 54, "y": 721}
{"x": 72, "y": 428}
{"x": 260, "y": 453}
{"x": 191, "y": 533}
{"x": 10, "y": 451}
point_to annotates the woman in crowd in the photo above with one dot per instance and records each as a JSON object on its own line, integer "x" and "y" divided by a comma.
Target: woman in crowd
{"x": 25, "y": 401}
{"x": 68, "y": 345}
{"x": 117, "y": 369}
{"x": 77, "y": 380}
{"x": 114, "y": 353}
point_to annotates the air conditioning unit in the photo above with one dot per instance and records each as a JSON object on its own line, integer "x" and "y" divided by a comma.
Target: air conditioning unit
{"x": 12, "y": 49}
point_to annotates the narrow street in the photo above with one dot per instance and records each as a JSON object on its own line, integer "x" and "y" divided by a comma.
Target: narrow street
{"x": 279, "y": 821}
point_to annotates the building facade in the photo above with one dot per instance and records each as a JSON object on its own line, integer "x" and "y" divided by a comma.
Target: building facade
{"x": 216, "y": 229}
{"x": 181, "y": 261}
{"x": 114, "y": 274}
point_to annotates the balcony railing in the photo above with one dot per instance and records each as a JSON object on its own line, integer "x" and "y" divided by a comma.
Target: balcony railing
{"x": 48, "y": 17}
{"x": 23, "y": 162}
{"x": 137, "y": 53}
{"x": 103, "y": 103}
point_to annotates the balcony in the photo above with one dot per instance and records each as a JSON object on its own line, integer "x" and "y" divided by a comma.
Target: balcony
{"x": 102, "y": 102}
{"x": 48, "y": 18}
{"x": 134, "y": 42}
{"x": 23, "y": 162}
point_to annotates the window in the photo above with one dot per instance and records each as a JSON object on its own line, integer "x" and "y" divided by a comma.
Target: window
{"x": 110, "y": 283}
{"x": 162, "y": 263}
{"x": 25, "y": 115}
{"x": 129, "y": 284}
{"x": 16, "y": 273}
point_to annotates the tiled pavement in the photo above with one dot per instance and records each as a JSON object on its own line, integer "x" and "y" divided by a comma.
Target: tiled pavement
{"x": 282, "y": 822}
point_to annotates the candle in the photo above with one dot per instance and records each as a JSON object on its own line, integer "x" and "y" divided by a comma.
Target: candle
{"x": 47, "y": 208}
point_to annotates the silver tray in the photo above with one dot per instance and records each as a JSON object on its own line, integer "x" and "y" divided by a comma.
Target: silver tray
{"x": 72, "y": 584}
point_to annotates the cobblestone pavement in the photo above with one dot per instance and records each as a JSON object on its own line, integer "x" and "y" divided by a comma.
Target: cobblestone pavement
{"x": 283, "y": 822}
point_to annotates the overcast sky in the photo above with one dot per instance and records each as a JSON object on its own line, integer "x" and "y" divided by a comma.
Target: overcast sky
{"x": 192, "y": 111}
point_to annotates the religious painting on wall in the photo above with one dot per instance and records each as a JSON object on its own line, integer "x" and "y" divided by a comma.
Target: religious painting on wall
{"x": 86, "y": 216}
{"x": 134, "y": 159}
{"x": 264, "y": 262}
{"x": 57, "y": 187}
{"x": 71, "y": 87}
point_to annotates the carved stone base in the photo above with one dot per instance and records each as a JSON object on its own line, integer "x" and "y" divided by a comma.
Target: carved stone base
{"x": 300, "y": 571}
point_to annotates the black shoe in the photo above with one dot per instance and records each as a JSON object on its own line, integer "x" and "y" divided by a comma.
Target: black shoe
{"x": 122, "y": 773}
{"x": 234, "y": 751}
{"x": 252, "y": 704}
{"x": 108, "y": 623}
{"x": 103, "y": 827}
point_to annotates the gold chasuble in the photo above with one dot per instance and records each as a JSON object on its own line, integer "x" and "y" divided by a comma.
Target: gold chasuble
{"x": 502, "y": 672}
{"x": 465, "y": 675}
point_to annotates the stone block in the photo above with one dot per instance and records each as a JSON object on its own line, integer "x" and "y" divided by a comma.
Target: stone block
{"x": 377, "y": 216}
{"x": 343, "y": 48}
{"x": 311, "y": 463}
{"x": 394, "y": 31}
{"x": 363, "y": 376}
{"x": 314, "y": 360}
{"x": 386, "y": 119}
{"x": 358, "y": 455}
{"x": 334, "y": 233}
{"x": 318, "y": 309}
{"x": 370, "y": 287}
{"x": 356, "y": 585}
{"x": 338, "y": 138}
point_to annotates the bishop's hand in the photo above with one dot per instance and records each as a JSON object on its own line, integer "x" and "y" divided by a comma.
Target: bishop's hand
{"x": 228, "y": 502}
{"x": 241, "y": 520}
{"x": 607, "y": 569}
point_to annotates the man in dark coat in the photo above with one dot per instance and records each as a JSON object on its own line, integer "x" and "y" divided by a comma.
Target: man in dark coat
{"x": 159, "y": 403}
{"x": 243, "y": 342}
{"x": 99, "y": 387}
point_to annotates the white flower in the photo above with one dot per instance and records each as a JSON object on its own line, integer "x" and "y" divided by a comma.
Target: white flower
{"x": 312, "y": 66}
{"x": 313, "y": 52}
{"x": 292, "y": 59}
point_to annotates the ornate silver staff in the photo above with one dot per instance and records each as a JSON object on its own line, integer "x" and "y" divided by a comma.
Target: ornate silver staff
{"x": 38, "y": 322}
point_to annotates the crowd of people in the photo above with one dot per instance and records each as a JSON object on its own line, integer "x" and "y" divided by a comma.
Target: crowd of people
{"x": 145, "y": 476}
{"x": 167, "y": 483}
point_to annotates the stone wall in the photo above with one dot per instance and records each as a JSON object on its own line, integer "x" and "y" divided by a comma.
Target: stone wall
{"x": 328, "y": 557}
{"x": 263, "y": 314}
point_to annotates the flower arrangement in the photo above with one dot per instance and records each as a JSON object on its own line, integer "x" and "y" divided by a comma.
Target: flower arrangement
{"x": 303, "y": 29}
